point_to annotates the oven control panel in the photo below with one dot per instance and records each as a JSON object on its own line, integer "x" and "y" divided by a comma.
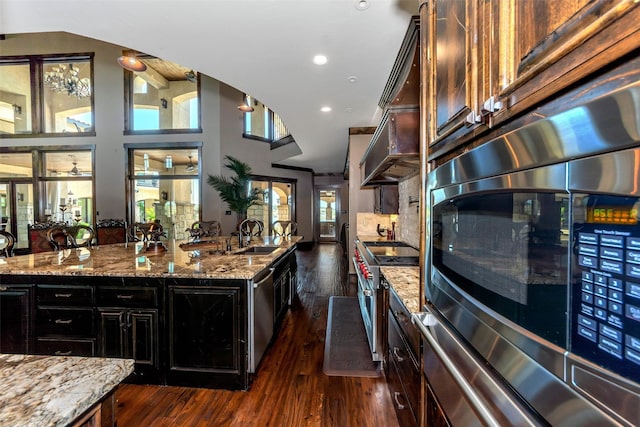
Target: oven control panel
{"x": 605, "y": 271}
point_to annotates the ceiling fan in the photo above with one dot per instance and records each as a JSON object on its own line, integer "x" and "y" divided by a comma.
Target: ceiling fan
{"x": 74, "y": 170}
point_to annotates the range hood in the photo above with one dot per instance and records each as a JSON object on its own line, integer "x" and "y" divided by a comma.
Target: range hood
{"x": 394, "y": 151}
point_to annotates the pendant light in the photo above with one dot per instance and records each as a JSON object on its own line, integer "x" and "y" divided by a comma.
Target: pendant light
{"x": 129, "y": 61}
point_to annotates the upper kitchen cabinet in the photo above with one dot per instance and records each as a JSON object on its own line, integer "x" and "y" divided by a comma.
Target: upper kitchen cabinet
{"x": 394, "y": 151}
{"x": 489, "y": 60}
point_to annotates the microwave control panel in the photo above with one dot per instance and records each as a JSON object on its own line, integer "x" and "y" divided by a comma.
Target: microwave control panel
{"x": 605, "y": 288}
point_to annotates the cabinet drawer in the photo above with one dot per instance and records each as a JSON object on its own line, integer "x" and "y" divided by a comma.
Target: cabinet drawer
{"x": 127, "y": 297}
{"x": 64, "y": 295}
{"x": 56, "y": 347}
{"x": 402, "y": 315}
{"x": 405, "y": 362}
{"x": 407, "y": 415}
{"x": 77, "y": 322}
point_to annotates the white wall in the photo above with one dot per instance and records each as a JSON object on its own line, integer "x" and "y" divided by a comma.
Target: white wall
{"x": 221, "y": 132}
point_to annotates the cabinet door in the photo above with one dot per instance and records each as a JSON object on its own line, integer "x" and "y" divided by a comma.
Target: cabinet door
{"x": 204, "y": 329}
{"x": 142, "y": 331}
{"x": 15, "y": 319}
{"x": 450, "y": 67}
{"x": 112, "y": 333}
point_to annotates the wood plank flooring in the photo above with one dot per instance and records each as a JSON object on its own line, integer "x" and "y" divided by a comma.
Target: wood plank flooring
{"x": 290, "y": 388}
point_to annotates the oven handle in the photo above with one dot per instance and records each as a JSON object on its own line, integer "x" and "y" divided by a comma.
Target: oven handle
{"x": 482, "y": 410}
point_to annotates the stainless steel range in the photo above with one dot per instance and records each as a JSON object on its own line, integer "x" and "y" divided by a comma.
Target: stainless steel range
{"x": 369, "y": 256}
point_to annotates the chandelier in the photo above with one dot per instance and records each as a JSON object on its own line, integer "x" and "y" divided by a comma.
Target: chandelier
{"x": 63, "y": 79}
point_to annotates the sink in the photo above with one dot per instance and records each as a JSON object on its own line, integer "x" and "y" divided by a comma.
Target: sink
{"x": 257, "y": 250}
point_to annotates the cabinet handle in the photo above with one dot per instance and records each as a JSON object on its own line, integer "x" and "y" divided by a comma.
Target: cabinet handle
{"x": 396, "y": 396}
{"x": 63, "y": 295}
{"x": 62, "y": 353}
{"x": 63, "y": 322}
{"x": 125, "y": 297}
{"x": 396, "y": 352}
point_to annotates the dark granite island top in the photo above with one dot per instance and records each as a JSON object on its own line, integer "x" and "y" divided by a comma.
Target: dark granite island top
{"x": 55, "y": 391}
{"x": 133, "y": 260}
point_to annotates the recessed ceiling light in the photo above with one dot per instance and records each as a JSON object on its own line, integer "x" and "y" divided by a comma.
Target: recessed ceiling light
{"x": 320, "y": 59}
{"x": 361, "y": 4}
{"x": 352, "y": 79}
{"x": 325, "y": 109}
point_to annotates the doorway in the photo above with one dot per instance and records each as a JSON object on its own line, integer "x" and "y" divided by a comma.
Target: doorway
{"x": 328, "y": 203}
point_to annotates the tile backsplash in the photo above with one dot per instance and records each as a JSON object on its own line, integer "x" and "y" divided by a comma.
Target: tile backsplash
{"x": 408, "y": 229}
{"x": 368, "y": 223}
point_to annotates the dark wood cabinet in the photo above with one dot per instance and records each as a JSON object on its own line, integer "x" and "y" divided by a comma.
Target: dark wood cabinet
{"x": 492, "y": 60}
{"x": 129, "y": 325}
{"x": 386, "y": 199}
{"x": 65, "y": 321}
{"x": 403, "y": 361}
{"x": 130, "y": 334}
{"x": 15, "y": 318}
{"x": 207, "y": 337}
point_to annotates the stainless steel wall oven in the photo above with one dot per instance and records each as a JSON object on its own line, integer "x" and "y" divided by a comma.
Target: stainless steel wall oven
{"x": 534, "y": 267}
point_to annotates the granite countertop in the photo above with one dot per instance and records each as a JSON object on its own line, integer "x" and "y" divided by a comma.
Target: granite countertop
{"x": 55, "y": 390}
{"x": 406, "y": 282}
{"x": 133, "y": 260}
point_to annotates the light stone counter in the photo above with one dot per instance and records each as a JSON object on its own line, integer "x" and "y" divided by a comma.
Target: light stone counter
{"x": 133, "y": 260}
{"x": 406, "y": 282}
{"x": 38, "y": 391}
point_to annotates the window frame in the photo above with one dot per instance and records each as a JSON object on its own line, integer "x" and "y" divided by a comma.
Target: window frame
{"x": 36, "y": 81}
{"x": 269, "y": 125}
{"x": 131, "y": 177}
{"x": 129, "y": 77}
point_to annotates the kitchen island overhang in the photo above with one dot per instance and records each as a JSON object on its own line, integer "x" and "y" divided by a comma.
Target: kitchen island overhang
{"x": 187, "y": 317}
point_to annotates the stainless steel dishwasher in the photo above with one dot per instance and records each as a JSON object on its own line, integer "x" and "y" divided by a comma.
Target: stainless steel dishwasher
{"x": 260, "y": 317}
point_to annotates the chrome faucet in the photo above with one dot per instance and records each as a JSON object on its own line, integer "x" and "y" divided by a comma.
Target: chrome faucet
{"x": 240, "y": 233}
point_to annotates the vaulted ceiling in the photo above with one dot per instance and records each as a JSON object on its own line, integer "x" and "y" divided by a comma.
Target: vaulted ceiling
{"x": 262, "y": 47}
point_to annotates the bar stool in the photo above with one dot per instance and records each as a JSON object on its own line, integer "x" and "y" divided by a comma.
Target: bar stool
{"x": 7, "y": 240}
{"x": 284, "y": 228}
{"x": 70, "y": 236}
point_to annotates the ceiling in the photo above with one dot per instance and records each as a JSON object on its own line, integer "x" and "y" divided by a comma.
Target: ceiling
{"x": 261, "y": 47}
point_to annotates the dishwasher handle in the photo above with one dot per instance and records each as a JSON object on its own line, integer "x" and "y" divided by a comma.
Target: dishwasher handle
{"x": 269, "y": 276}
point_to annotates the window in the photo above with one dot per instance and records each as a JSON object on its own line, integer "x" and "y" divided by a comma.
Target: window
{"x": 164, "y": 185}
{"x": 163, "y": 99}
{"x": 63, "y": 105}
{"x": 262, "y": 123}
{"x": 45, "y": 184}
{"x": 278, "y": 201}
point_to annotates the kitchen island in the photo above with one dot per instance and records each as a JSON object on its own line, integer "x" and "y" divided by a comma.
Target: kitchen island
{"x": 189, "y": 315}
{"x": 59, "y": 391}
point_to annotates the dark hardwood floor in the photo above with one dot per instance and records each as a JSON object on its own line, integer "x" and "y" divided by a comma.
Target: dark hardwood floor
{"x": 290, "y": 388}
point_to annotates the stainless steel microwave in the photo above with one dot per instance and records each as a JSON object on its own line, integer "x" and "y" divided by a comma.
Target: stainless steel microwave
{"x": 534, "y": 259}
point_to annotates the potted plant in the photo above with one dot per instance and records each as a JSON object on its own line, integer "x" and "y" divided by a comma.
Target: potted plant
{"x": 236, "y": 191}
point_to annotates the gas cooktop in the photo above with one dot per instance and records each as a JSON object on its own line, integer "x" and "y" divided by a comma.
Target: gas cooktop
{"x": 393, "y": 253}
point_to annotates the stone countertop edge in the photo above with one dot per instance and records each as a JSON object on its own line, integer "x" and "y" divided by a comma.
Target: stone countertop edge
{"x": 133, "y": 260}
{"x": 405, "y": 281}
{"x": 55, "y": 390}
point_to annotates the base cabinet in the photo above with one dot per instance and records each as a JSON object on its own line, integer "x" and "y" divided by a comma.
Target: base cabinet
{"x": 207, "y": 345}
{"x": 15, "y": 318}
{"x": 130, "y": 334}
